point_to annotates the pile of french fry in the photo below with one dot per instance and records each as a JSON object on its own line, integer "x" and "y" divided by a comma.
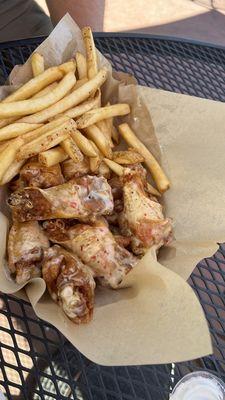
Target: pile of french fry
{"x": 58, "y": 115}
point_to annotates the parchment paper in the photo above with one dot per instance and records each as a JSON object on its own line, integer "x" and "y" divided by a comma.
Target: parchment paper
{"x": 157, "y": 318}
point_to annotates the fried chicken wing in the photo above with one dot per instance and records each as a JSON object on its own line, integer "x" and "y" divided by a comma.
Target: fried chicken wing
{"x": 33, "y": 174}
{"x": 96, "y": 247}
{"x": 81, "y": 198}
{"x": 142, "y": 218}
{"x": 70, "y": 283}
{"x": 70, "y": 169}
{"x": 26, "y": 244}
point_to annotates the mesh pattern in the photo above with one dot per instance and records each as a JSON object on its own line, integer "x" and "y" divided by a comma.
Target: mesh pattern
{"x": 36, "y": 361}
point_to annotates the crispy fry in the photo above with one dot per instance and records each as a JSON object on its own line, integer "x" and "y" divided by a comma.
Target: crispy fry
{"x": 39, "y": 82}
{"x": 8, "y": 156}
{"x": 7, "y": 121}
{"x": 12, "y": 171}
{"x": 101, "y": 141}
{"x": 158, "y": 174}
{"x": 102, "y": 125}
{"x": 114, "y": 166}
{"x": 71, "y": 148}
{"x": 99, "y": 114}
{"x": 30, "y": 106}
{"x": 95, "y": 161}
{"x": 71, "y": 100}
{"x": 46, "y": 141}
{"x": 45, "y": 91}
{"x": 81, "y": 109}
{"x": 115, "y": 135}
{"x": 92, "y": 64}
{"x": 43, "y": 129}
{"x": 53, "y": 156}
{"x": 81, "y": 65}
{"x": 16, "y": 129}
{"x": 150, "y": 189}
{"x": 126, "y": 157}
{"x": 37, "y": 64}
{"x": 83, "y": 143}
{"x": 3, "y": 145}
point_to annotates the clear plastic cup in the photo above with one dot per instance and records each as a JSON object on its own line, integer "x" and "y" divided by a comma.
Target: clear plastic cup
{"x": 199, "y": 385}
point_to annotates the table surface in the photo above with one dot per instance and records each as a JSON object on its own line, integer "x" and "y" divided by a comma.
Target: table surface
{"x": 37, "y": 362}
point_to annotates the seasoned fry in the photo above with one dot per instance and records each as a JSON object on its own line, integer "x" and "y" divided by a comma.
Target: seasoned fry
{"x": 81, "y": 65}
{"x": 126, "y": 157}
{"x": 16, "y": 129}
{"x": 43, "y": 129}
{"x": 8, "y": 156}
{"x": 99, "y": 114}
{"x": 53, "y": 156}
{"x": 158, "y": 174}
{"x": 114, "y": 166}
{"x": 71, "y": 148}
{"x": 95, "y": 161}
{"x": 30, "y": 106}
{"x": 81, "y": 109}
{"x": 45, "y": 91}
{"x": 46, "y": 141}
{"x": 92, "y": 64}
{"x": 37, "y": 64}
{"x": 83, "y": 143}
{"x": 71, "y": 100}
{"x": 39, "y": 82}
{"x": 115, "y": 135}
{"x": 102, "y": 142}
{"x": 12, "y": 171}
{"x": 102, "y": 125}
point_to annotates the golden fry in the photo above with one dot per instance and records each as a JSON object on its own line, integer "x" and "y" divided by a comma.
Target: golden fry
{"x": 116, "y": 168}
{"x": 81, "y": 65}
{"x": 115, "y": 135}
{"x": 36, "y": 84}
{"x": 81, "y": 109}
{"x": 43, "y": 129}
{"x": 71, "y": 148}
{"x": 30, "y": 106}
{"x": 12, "y": 171}
{"x": 158, "y": 174}
{"x": 95, "y": 161}
{"x": 151, "y": 190}
{"x": 92, "y": 64}
{"x": 46, "y": 141}
{"x": 37, "y": 64}
{"x": 8, "y": 156}
{"x": 7, "y": 121}
{"x": 101, "y": 141}
{"x": 16, "y": 129}
{"x": 83, "y": 143}
{"x": 102, "y": 125}
{"x": 3, "y": 145}
{"x": 45, "y": 91}
{"x": 80, "y": 83}
{"x": 99, "y": 114}
{"x": 53, "y": 156}
{"x": 71, "y": 100}
{"x": 127, "y": 157}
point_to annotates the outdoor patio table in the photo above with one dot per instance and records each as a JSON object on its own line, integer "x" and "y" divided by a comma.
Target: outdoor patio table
{"x": 36, "y": 361}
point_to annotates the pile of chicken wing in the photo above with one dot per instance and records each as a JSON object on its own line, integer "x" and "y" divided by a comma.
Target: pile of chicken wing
{"x": 76, "y": 229}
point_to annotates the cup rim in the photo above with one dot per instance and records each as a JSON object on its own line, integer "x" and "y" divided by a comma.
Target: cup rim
{"x": 203, "y": 374}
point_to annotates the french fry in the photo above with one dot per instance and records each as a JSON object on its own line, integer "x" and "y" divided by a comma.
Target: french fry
{"x": 37, "y": 64}
{"x": 16, "y": 129}
{"x": 53, "y": 156}
{"x": 71, "y": 100}
{"x": 30, "y": 106}
{"x": 81, "y": 65}
{"x": 3, "y": 145}
{"x": 92, "y": 64}
{"x": 80, "y": 83}
{"x": 102, "y": 125}
{"x": 7, "y": 121}
{"x": 116, "y": 168}
{"x": 150, "y": 189}
{"x": 101, "y": 141}
{"x": 81, "y": 109}
{"x": 12, "y": 171}
{"x": 95, "y": 161}
{"x": 83, "y": 144}
{"x": 39, "y": 82}
{"x": 104, "y": 170}
{"x": 99, "y": 114}
{"x": 45, "y": 141}
{"x": 45, "y": 91}
{"x": 43, "y": 129}
{"x": 71, "y": 148}
{"x": 157, "y": 172}
{"x": 127, "y": 157}
{"x": 115, "y": 135}
{"x": 8, "y": 156}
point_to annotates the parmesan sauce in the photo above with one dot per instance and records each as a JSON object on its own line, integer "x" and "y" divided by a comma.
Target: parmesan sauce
{"x": 199, "y": 388}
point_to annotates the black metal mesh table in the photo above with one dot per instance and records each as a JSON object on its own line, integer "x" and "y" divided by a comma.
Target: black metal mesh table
{"x": 36, "y": 361}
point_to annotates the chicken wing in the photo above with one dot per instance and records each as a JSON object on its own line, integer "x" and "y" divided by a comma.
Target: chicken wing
{"x": 81, "y": 198}
{"x": 26, "y": 244}
{"x": 96, "y": 247}
{"x": 142, "y": 218}
{"x": 70, "y": 169}
{"x": 33, "y": 174}
{"x": 70, "y": 283}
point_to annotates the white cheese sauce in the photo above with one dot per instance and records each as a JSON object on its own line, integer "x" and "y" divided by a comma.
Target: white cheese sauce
{"x": 199, "y": 388}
